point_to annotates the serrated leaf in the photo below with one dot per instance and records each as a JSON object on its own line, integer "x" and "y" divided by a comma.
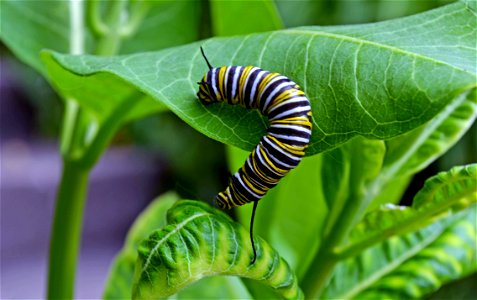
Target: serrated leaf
{"x": 120, "y": 278}
{"x": 412, "y": 265}
{"x": 443, "y": 194}
{"x": 201, "y": 241}
{"x": 378, "y": 80}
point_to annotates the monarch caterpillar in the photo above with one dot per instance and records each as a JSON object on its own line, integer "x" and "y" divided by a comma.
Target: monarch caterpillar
{"x": 281, "y": 149}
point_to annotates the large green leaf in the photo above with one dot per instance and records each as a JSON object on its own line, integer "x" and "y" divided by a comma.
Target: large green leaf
{"x": 412, "y": 265}
{"x": 201, "y": 241}
{"x": 378, "y": 80}
{"x": 442, "y": 194}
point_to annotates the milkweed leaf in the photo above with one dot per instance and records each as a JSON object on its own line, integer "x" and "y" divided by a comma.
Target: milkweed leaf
{"x": 201, "y": 241}
{"x": 443, "y": 194}
{"x": 377, "y": 80}
{"x": 410, "y": 266}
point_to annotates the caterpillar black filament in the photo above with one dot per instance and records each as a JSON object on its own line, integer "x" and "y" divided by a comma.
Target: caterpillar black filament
{"x": 281, "y": 149}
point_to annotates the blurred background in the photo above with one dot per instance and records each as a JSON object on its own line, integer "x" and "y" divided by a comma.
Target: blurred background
{"x": 147, "y": 157}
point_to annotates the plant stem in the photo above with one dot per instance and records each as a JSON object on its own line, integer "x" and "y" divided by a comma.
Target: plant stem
{"x": 324, "y": 262}
{"x": 66, "y": 231}
{"x": 109, "y": 44}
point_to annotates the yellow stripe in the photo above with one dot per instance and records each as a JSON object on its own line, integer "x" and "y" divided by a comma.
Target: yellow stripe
{"x": 295, "y": 150}
{"x": 243, "y": 78}
{"x": 270, "y": 164}
{"x": 221, "y": 78}
{"x": 265, "y": 81}
{"x": 260, "y": 174}
{"x": 252, "y": 187}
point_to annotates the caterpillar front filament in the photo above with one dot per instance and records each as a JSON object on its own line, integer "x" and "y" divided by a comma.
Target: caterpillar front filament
{"x": 281, "y": 149}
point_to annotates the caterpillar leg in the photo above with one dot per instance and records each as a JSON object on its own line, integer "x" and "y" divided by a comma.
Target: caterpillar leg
{"x": 255, "y": 204}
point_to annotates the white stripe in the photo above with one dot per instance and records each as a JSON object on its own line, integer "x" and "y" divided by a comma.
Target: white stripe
{"x": 225, "y": 81}
{"x": 245, "y": 186}
{"x": 213, "y": 83}
{"x": 279, "y": 77}
{"x": 292, "y": 100}
{"x": 291, "y": 112}
{"x": 292, "y": 127}
{"x": 246, "y": 81}
{"x": 289, "y": 155}
{"x": 259, "y": 157}
{"x": 259, "y": 78}
{"x": 290, "y": 138}
{"x": 274, "y": 92}
{"x": 235, "y": 81}
{"x": 277, "y": 161}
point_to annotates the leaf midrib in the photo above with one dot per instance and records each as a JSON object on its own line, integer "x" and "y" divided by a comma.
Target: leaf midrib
{"x": 392, "y": 266}
{"x": 177, "y": 228}
{"x": 375, "y": 44}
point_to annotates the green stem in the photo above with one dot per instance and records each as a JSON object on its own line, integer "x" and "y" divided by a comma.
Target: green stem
{"x": 323, "y": 263}
{"x": 94, "y": 18}
{"x": 66, "y": 231}
{"x": 109, "y": 44}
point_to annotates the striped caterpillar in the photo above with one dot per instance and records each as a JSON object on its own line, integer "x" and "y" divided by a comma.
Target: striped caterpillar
{"x": 281, "y": 149}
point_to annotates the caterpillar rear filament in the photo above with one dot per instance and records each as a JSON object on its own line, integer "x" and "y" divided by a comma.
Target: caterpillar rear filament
{"x": 281, "y": 149}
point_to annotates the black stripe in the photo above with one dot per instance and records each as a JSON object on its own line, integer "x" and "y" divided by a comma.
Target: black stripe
{"x": 290, "y": 131}
{"x": 279, "y": 155}
{"x": 230, "y": 79}
{"x": 288, "y": 106}
{"x": 264, "y": 169}
{"x": 248, "y": 89}
{"x": 269, "y": 89}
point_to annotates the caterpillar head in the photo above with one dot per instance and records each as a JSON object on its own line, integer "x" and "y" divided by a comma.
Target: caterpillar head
{"x": 206, "y": 93}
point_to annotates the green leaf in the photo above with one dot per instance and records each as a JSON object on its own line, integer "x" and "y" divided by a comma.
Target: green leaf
{"x": 201, "y": 241}
{"x": 120, "y": 278}
{"x": 450, "y": 257}
{"x": 375, "y": 80}
{"x": 443, "y": 194}
{"x": 413, "y": 151}
{"x": 261, "y": 15}
{"x": 412, "y": 265}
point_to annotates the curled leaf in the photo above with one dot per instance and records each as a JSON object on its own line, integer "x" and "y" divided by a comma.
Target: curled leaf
{"x": 443, "y": 194}
{"x": 201, "y": 241}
